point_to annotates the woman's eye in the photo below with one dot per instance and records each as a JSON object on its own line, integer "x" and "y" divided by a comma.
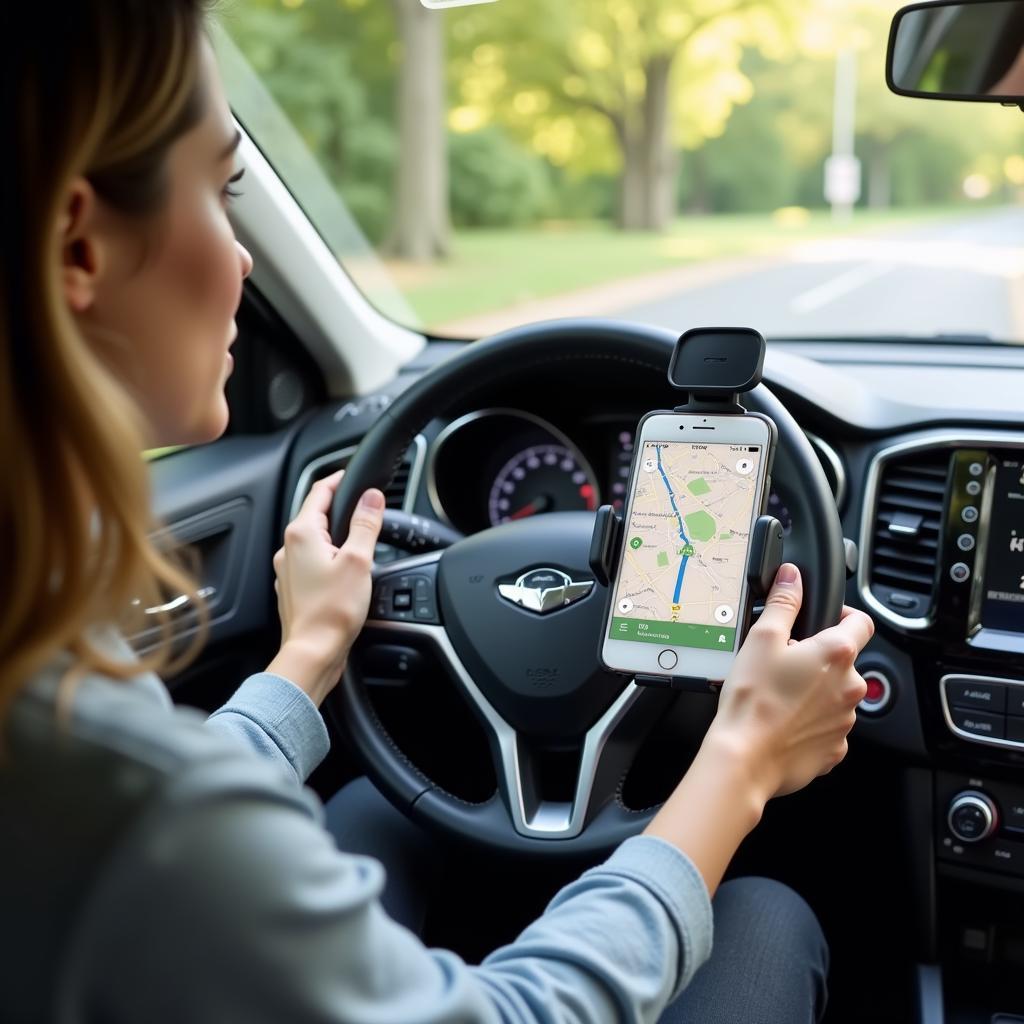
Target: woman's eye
{"x": 228, "y": 192}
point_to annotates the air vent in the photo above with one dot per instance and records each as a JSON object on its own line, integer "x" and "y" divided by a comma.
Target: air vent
{"x": 394, "y": 493}
{"x": 907, "y": 531}
{"x": 406, "y": 476}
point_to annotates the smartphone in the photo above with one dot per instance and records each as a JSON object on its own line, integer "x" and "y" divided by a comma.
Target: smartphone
{"x": 679, "y": 603}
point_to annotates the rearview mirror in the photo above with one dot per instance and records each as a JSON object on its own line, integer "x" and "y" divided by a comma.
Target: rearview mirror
{"x": 971, "y": 50}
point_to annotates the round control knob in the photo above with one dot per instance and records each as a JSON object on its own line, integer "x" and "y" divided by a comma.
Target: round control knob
{"x": 972, "y": 816}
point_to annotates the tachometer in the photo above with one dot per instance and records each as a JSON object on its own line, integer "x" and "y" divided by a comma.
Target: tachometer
{"x": 541, "y": 478}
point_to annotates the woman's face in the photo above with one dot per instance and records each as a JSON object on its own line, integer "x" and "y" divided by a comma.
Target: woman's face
{"x": 160, "y": 294}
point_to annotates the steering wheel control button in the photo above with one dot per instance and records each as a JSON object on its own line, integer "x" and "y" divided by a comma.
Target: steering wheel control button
{"x": 973, "y": 488}
{"x": 879, "y": 695}
{"x": 975, "y": 469}
{"x": 972, "y": 816}
{"x": 979, "y": 723}
{"x": 959, "y": 572}
{"x": 965, "y": 542}
{"x": 668, "y": 660}
{"x": 405, "y": 598}
{"x": 970, "y": 693}
{"x": 969, "y": 514}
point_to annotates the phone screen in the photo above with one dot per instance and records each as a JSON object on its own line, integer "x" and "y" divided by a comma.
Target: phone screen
{"x": 684, "y": 562}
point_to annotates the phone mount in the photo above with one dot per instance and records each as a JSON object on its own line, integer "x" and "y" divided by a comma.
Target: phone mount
{"x": 712, "y": 366}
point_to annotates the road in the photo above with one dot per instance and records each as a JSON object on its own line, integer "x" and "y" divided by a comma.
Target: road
{"x": 964, "y": 276}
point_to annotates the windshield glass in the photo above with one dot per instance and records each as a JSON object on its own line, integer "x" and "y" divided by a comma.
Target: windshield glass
{"x": 679, "y": 162}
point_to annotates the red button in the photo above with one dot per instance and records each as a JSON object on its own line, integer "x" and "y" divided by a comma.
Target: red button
{"x": 876, "y": 691}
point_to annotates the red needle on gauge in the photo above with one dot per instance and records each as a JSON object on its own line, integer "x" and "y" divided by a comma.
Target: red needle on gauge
{"x": 539, "y": 504}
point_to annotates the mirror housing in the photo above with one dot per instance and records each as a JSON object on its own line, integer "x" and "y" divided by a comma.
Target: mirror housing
{"x": 966, "y": 50}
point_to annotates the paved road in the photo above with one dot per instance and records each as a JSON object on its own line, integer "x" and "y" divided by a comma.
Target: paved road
{"x": 962, "y": 276}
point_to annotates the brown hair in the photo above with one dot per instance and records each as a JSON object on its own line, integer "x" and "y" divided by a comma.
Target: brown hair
{"x": 101, "y": 89}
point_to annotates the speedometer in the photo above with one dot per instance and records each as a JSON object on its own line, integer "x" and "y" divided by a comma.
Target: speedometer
{"x": 541, "y": 478}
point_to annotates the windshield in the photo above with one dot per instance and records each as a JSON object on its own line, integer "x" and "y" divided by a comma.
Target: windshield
{"x": 678, "y": 162}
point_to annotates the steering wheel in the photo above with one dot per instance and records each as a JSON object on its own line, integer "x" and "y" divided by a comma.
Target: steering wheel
{"x": 535, "y": 680}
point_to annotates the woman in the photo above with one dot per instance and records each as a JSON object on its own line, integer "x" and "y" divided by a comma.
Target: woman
{"x": 160, "y": 867}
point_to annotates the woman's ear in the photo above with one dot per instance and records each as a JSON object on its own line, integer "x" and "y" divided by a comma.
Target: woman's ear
{"x": 80, "y": 248}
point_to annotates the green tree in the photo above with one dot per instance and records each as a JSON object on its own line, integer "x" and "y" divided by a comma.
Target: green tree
{"x": 614, "y": 84}
{"x": 328, "y": 65}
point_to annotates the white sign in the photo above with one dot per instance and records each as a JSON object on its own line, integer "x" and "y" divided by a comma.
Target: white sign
{"x": 842, "y": 180}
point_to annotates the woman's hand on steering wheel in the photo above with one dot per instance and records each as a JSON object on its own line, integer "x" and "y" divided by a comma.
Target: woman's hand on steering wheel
{"x": 323, "y": 591}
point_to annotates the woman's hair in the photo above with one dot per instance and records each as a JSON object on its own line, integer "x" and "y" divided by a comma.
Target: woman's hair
{"x": 100, "y": 89}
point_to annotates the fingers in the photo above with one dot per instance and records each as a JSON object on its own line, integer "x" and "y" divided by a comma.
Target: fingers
{"x": 782, "y": 604}
{"x": 848, "y": 638}
{"x": 364, "y": 527}
{"x": 313, "y": 514}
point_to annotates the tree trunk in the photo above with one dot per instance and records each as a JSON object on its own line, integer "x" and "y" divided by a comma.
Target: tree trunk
{"x": 632, "y": 183}
{"x": 421, "y": 226}
{"x": 647, "y": 189}
{"x": 699, "y": 203}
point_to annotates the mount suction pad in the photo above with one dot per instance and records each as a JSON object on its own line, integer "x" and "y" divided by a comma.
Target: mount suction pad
{"x": 716, "y": 363}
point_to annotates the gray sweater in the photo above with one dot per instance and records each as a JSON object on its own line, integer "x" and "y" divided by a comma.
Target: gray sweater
{"x": 157, "y": 866}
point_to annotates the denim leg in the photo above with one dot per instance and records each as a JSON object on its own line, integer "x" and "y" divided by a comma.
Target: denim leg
{"x": 363, "y": 821}
{"x": 768, "y": 964}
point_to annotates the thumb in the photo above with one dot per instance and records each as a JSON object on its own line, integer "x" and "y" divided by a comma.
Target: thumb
{"x": 783, "y": 601}
{"x": 365, "y": 525}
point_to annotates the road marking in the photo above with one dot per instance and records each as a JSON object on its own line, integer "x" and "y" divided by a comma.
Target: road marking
{"x": 849, "y": 281}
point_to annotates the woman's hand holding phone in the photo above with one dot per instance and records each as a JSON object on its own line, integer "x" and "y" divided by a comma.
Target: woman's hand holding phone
{"x": 784, "y": 714}
{"x": 323, "y": 591}
{"x": 787, "y": 705}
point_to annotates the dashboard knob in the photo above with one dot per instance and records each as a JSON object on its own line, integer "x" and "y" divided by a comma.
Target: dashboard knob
{"x": 972, "y": 816}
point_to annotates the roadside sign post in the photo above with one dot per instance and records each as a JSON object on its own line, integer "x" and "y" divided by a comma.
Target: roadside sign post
{"x": 842, "y": 168}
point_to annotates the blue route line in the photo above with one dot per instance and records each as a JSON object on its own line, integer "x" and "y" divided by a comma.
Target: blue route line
{"x": 682, "y": 531}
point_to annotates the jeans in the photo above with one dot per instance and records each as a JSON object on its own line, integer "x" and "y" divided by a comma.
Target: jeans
{"x": 769, "y": 961}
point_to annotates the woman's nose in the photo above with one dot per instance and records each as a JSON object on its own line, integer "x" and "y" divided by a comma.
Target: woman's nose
{"x": 246, "y": 258}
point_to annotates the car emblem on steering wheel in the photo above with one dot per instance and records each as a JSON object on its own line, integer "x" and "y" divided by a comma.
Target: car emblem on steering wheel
{"x": 544, "y": 590}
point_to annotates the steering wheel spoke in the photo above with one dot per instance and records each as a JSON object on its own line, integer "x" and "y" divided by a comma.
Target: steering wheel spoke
{"x": 601, "y": 759}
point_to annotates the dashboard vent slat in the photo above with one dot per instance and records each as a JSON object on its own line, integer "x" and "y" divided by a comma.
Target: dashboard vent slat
{"x": 911, "y": 490}
{"x": 394, "y": 493}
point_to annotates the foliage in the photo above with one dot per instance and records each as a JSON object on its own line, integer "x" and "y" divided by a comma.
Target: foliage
{"x": 496, "y": 183}
{"x": 542, "y": 96}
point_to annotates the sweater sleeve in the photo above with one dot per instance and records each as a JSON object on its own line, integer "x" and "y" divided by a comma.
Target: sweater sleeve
{"x": 229, "y": 902}
{"x": 274, "y": 717}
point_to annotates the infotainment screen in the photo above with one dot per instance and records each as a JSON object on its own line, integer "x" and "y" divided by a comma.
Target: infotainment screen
{"x": 1003, "y": 593}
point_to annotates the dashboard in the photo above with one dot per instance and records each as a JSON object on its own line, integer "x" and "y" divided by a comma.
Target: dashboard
{"x": 498, "y": 465}
{"x": 923, "y": 446}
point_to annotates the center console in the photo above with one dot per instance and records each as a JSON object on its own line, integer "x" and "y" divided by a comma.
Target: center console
{"x": 942, "y": 542}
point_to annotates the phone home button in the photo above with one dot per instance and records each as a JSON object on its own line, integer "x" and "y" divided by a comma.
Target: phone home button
{"x": 668, "y": 660}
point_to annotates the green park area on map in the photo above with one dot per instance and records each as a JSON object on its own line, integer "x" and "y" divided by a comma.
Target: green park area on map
{"x": 700, "y": 526}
